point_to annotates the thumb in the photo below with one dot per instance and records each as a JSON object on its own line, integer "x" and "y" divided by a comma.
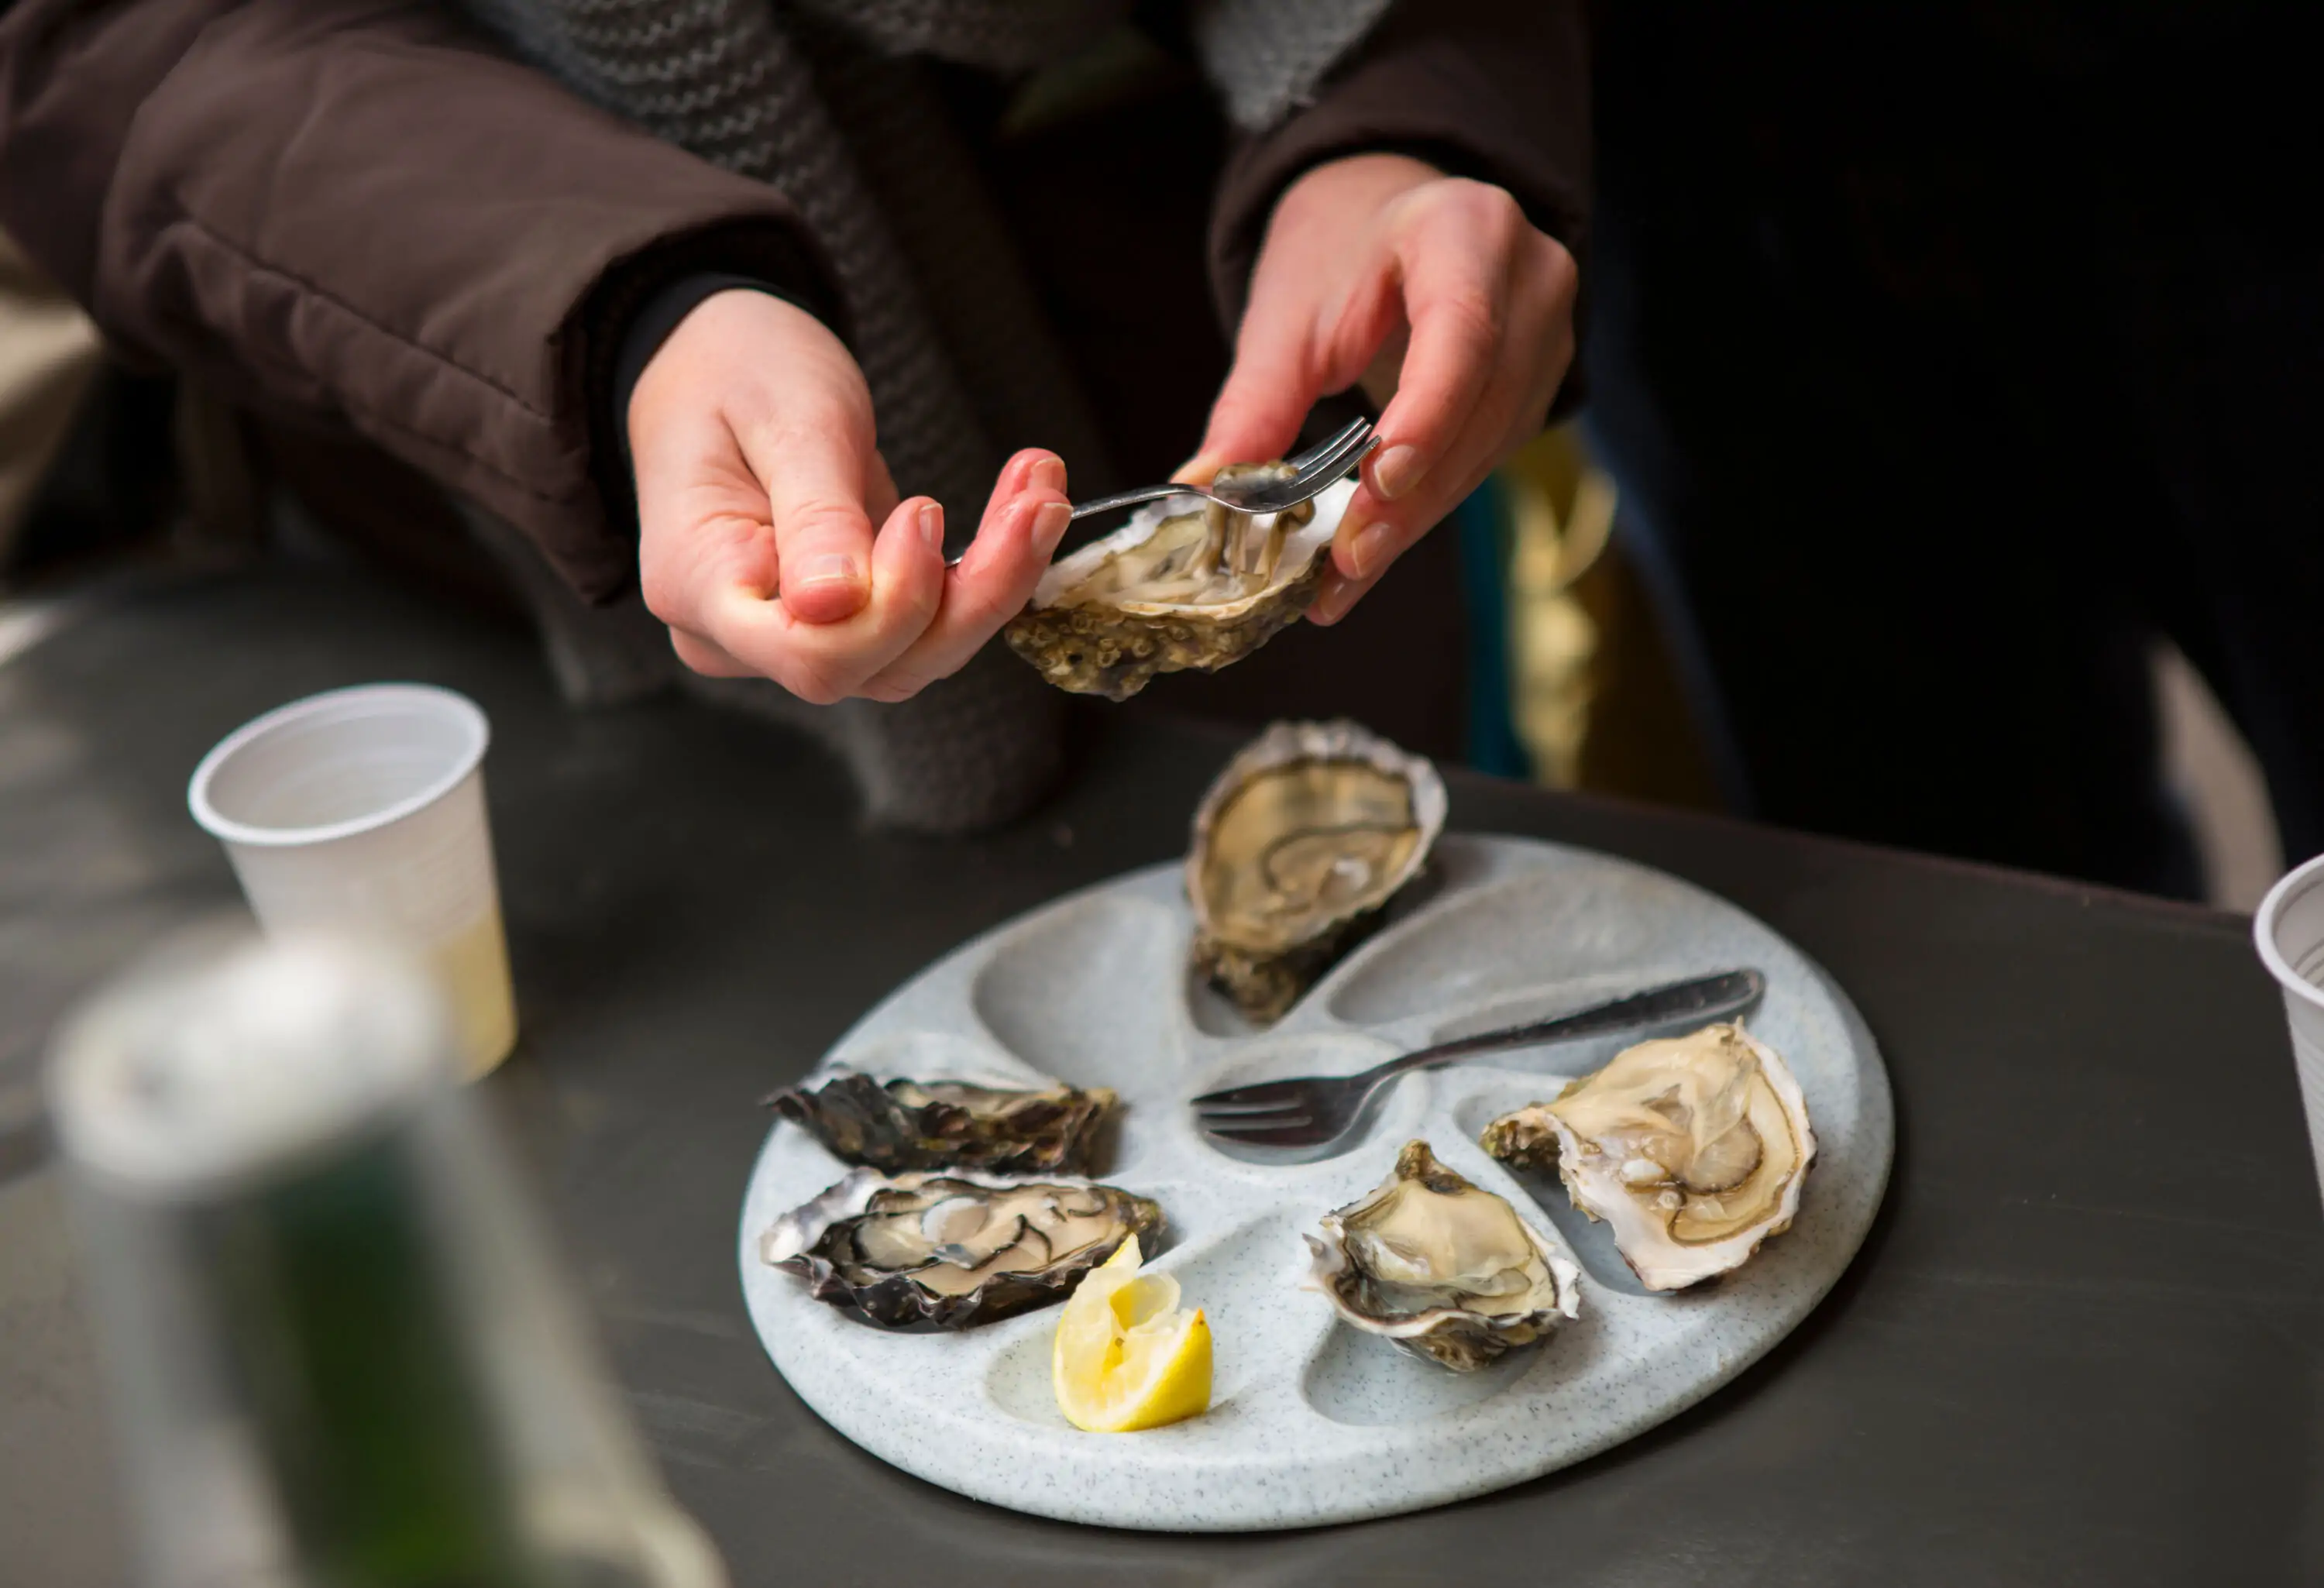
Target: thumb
{"x": 819, "y": 498}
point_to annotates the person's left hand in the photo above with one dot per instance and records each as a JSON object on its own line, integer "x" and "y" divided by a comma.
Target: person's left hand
{"x": 1436, "y": 293}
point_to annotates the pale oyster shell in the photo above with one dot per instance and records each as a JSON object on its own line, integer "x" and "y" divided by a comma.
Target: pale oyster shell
{"x": 1299, "y": 843}
{"x": 1693, "y": 1150}
{"x": 1441, "y": 1267}
{"x": 950, "y": 1251}
{"x": 1091, "y": 640}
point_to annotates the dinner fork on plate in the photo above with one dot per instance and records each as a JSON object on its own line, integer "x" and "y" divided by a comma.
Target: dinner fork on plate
{"x": 1316, "y": 1116}
{"x": 1313, "y": 472}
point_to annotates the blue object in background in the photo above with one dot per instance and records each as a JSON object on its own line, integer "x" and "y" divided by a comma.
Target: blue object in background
{"x": 1481, "y": 523}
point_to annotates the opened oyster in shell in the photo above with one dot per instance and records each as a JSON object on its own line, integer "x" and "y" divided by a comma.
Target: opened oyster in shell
{"x": 950, "y": 1251}
{"x": 901, "y": 1125}
{"x": 1442, "y": 1268}
{"x": 1692, "y": 1149}
{"x": 1309, "y": 831}
{"x": 1186, "y": 583}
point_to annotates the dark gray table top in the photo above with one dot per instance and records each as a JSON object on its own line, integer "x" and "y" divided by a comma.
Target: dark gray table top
{"x": 2085, "y": 1344}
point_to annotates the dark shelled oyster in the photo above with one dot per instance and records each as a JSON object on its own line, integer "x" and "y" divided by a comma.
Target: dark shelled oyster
{"x": 902, "y": 1125}
{"x": 950, "y": 1251}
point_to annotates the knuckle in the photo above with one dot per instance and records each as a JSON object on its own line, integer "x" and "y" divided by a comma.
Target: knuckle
{"x": 810, "y": 684}
{"x": 919, "y": 591}
{"x": 983, "y": 606}
{"x": 1553, "y": 272}
{"x": 791, "y": 416}
{"x": 661, "y": 596}
{"x": 663, "y": 583}
{"x": 1481, "y": 209}
{"x": 1499, "y": 209}
{"x": 1498, "y": 212}
{"x": 823, "y": 517}
{"x": 804, "y": 676}
{"x": 823, "y": 679}
{"x": 1474, "y": 314}
{"x": 984, "y": 614}
{"x": 1557, "y": 260}
{"x": 696, "y": 656}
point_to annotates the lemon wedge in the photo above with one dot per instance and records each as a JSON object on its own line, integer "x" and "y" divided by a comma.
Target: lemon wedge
{"x": 1126, "y": 1356}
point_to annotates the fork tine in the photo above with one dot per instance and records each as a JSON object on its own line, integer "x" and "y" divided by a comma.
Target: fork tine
{"x": 1301, "y": 1134}
{"x": 1272, "y": 1093}
{"x": 1335, "y": 462}
{"x": 1250, "y": 1110}
{"x": 1332, "y": 456}
{"x": 1127, "y": 499}
{"x": 1354, "y": 433}
{"x": 1268, "y": 1124}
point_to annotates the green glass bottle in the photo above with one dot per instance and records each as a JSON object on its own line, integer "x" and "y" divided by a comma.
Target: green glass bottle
{"x": 343, "y": 1357}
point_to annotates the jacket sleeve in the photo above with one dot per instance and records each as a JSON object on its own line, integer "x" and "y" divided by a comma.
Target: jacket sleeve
{"x": 1494, "y": 90}
{"x": 356, "y": 213}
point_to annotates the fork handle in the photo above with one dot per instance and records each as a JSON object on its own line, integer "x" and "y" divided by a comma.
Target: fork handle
{"x": 1707, "y": 999}
{"x": 1132, "y": 498}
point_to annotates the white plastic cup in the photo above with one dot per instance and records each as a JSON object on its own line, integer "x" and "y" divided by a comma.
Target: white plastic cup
{"x": 361, "y": 811}
{"x": 2289, "y": 931}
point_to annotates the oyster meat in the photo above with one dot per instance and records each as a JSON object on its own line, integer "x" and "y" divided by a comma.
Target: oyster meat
{"x": 901, "y": 1125}
{"x": 1308, "y": 832}
{"x": 950, "y": 1251}
{"x": 1441, "y": 1267}
{"x": 1691, "y": 1149}
{"x": 1186, "y": 583}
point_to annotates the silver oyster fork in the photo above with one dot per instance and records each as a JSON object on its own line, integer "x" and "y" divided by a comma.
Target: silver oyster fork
{"x": 1313, "y": 472}
{"x": 1316, "y": 1116}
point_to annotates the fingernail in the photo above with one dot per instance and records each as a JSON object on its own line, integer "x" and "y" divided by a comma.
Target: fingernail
{"x": 1049, "y": 521}
{"x": 835, "y": 569}
{"x": 1367, "y": 548}
{"x": 1049, "y": 475}
{"x": 1331, "y": 606}
{"x": 1399, "y": 470}
{"x": 931, "y": 527}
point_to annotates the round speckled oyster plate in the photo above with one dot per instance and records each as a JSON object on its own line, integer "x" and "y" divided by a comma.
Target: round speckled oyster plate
{"x": 1311, "y": 1422}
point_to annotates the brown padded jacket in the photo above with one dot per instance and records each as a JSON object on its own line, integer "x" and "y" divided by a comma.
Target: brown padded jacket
{"x": 360, "y": 214}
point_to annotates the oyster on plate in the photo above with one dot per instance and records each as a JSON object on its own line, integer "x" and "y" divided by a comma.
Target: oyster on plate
{"x": 1691, "y": 1149}
{"x": 1442, "y": 1268}
{"x": 1186, "y": 583}
{"x": 901, "y": 1125}
{"x": 950, "y": 1251}
{"x": 1308, "y": 832}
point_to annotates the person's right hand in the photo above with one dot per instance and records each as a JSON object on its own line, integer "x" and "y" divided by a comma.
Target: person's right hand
{"x": 758, "y": 482}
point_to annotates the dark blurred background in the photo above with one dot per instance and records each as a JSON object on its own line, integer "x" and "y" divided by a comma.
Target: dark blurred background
{"x": 1928, "y": 331}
